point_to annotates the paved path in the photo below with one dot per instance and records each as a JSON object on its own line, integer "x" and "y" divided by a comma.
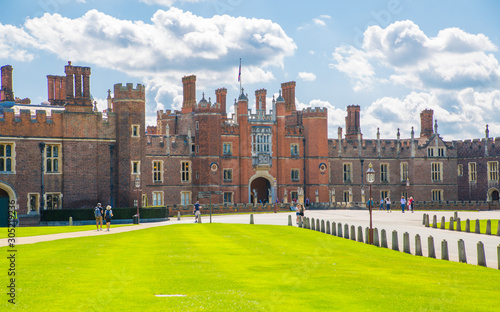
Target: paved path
{"x": 407, "y": 222}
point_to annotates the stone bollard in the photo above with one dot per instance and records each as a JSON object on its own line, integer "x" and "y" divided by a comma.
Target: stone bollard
{"x": 289, "y": 219}
{"x": 353, "y": 233}
{"x": 426, "y": 220}
{"x": 459, "y": 225}
{"x": 339, "y": 229}
{"x": 467, "y": 226}
{"x": 376, "y": 240}
{"x": 70, "y": 221}
{"x": 443, "y": 223}
{"x": 430, "y": 247}
{"x": 178, "y": 216}
{"x": 406, "y": 243}
{"x": 455, "y": 215}
{"x": 334, "y": 228}
{"x": 346, "y": 231}
{"x": 199, "y": 218}
{"x": 481, "y": 257}
{"x": 478, "y": 227}
{"x": 360, "y": 234}
{"x": 461, "y": 251}
{"x": 488, "y": 227}
{"x": 313, "y": 226}
{"x": 322, "y": 226}
{"x": 301, "y": 224}
{"x": 327, "y": 227}
{"x": 367, "y": 235}
{"x": 395, "y": 244}
{"x": 318, "y": 228}
{"x": 308, "y": 223}
{"x": 498, "y": 228}
{"x": 383, "y": 235}
{"x": 418, "y": 246}
{"x": 444, "y": 250}
{"x": 451, "y": 223}
{"x": 498, "y": 255}
{"x": 423, "y": 220}
{"x": 434, "y": 222}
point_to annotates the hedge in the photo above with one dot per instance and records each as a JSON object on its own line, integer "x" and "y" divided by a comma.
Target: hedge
{"x": 88, "y": 214}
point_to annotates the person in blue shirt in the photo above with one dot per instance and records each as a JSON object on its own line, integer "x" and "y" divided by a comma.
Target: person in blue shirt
{"x": 369, "y": 203}
{"x": 196, "y": 211}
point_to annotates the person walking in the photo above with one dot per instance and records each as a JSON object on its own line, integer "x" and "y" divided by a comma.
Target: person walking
{"x": 108, "y": 214}
{"x": 196, "y": 211}
{"x": 410, "y": 204}
{"x": 381, "y": 204}
{"x": 297, "y": 212}
{"x": 388, "y": 204}
{"x": 369, "y": 203}
{"x": 98, "y": 212}
{"x": 403, "y": 204}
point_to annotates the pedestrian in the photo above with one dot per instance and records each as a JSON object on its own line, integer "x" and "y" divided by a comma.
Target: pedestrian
{"x": 98, "y": 212}
{"x": 369, "y": 203}
{"x": 108, "y": 214}
{"x": 403, "y": 204}
{"x": 302, "y": 210}
{"x": 307, "y": 202}
{"x": 15, "y": 218}
{"x": 381, "y": 204}
{"x": 196, "y": 211}
{"x": 388, "y": 204}
{"x": 410, "y": 204}
{"x": 297, "y": 212}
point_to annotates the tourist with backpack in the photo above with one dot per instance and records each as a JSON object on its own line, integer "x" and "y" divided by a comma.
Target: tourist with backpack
{"x": 108, "y": 214}
{"x": 98, "y": 211}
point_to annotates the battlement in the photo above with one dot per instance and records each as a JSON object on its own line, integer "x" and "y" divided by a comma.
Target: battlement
{"x": 315, "y": 112}
{"x": 230, "y": 128}
{"x": 128, "y": 92}
{"x": 294, "y": 130}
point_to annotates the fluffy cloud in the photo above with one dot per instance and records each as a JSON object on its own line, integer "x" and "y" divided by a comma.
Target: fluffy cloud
{"x": 317, "y": 21}
{"x": 306, "y": 76}
{"x": 14, "y": 43}
{"x": 355, "y": 65}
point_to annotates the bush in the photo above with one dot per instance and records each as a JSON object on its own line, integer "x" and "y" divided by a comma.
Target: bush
{"x": 88, "y": 214}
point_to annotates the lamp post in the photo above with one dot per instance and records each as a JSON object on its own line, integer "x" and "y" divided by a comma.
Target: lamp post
{"x": 370, "y": 177}
{"x": 137, "y": 186}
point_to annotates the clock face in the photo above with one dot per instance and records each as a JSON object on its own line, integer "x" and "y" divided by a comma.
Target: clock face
{"x": 213, "y": 167}
{"x": 322, "y": 167}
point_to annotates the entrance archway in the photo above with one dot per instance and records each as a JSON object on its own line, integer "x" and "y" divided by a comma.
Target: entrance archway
{"x": 495, "y": 196}
{"x": 4, "y": 208}
{"x": 262, "y": 187}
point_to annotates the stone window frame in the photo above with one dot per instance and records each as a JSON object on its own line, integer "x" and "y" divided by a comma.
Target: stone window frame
{"x": 347, "y": 175}
{"x": 472, "y": 172}
{"x": 227, "y": 148}
{"x": 186, "y": 173}
{"x": 437, "y": 193}
{"x": 294, "y": 150}
{"x": 135, "y": 169}
{"x": 295, "y": 172}
{"x": 53, "y": 160}
{"x": 404, "y": 171}
{"x": 492, "y": 171}
{"x": 460, "y": 170}
{"x": 231, "y": 194}
{"x": 227, "y": 174}
{"x": 384, "y": 194}
{"x": 345, "y": 196}
{"x": 136, "y": 133}
{"x": 430, "y": 152}
{"x": 441, "y": 152}
{"x": 186, "y": 195}
{"x": 157, "y": 173}
{"x": 386, "y": 173}
{"x": 37, "y": 202}
{"x": 158, "y": 198}
{"x": 12, "y": 157}
{"x": 436, "y": 172}
{"x": 46, "y": 199}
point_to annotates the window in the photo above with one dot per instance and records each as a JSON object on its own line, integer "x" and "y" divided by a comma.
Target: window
{"x": 404, "y": 172}
{"x": 294, "y": 196}
{"x": 404, "y": 194}
{"x": 52, "y": 157}
{"x": 144, "y": 200}
{"x": 53, "y": 201}
{"x": 227, "y": 148}
{"x": 295, "y": 175}
{"x": 193, "y": 148}
{"x": 157, "y": 171}
{"x": 228, "y": 197}
{"x": 197, "y": 126}
{"x": 436, "y": 172}
{"x": 347, "y": 172}
{"x": 197, "y": 175}
{"x": 437, "y": 195}
{"x": 228, "y": 175}
{"x": 136, "y": 167}
{"x": 135, "y": 130}
{"x": 493, "y": 171}
{"x": 294, "y": 149}
{"x": 33, "y": 202}
{"x": 6, "y": 157}
{"x": 430, "y": 151}
{"x": 460, "y": 170}
{"x": 384, "y": 172}
{"x": 472, "y": 172}
{"x": 186, "y": 171}
{"x": 157, "y": 198}
{"x": 384, "y": 194}
{"x": 441, "y": 151}
{"x": 346, "y": 196}
{"x": 185, "y": 198}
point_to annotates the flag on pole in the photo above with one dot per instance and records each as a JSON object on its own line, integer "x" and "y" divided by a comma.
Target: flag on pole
{"x": 239, "y": 73}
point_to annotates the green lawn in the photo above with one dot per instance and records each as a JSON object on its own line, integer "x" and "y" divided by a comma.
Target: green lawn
{"x": 225, "y": 267}
{"x": 44, "y": 230}
{"x": 482, "y": 226}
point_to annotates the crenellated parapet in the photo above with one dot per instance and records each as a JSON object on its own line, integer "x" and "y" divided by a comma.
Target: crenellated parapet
{"x": 315, "y": 112}
{"x": 478, "y": 147}
{"x": 294, "y": 130}
{"x": 128, "y": 92}
{"x": 230, "y": 129}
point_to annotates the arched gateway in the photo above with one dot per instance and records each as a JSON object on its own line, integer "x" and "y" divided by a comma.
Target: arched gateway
{"x": 263, "y": 185}
{"x": 7, "y": 195}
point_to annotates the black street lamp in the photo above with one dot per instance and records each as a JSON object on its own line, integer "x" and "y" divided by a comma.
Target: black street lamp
{"x": 370, "y": 177}
{"x": 137, "y": 186}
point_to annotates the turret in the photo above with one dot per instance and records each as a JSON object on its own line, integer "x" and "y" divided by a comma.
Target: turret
{"x": 260, "y": 97}
{"x": 352, "y": 122}
{"x": 189, "y": 93}
{"x": 289, "y": 96}
{"x": 6, "y": 93}
{"x": 426, "y": 123}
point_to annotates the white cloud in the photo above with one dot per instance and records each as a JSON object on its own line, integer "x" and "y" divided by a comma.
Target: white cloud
{"x": 307, "y": 76}
{"x": 14, "y": 44}
{"x": 354, "y": 63}
{"x": 319, "y": 22}
{"x": 167, "y": 3}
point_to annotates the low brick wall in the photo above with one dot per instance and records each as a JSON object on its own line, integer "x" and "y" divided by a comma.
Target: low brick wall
{"x": 421, "y": 205}
{"x": 29, "y": 220}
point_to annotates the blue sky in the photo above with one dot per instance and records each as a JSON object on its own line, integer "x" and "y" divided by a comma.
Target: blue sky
{"x": 394, "y": 58}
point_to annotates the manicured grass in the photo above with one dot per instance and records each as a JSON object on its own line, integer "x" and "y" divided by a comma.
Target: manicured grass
{"x": 482, "y": 226}
{"x": 44, "y": 230}
{"x": 225, "y": 267}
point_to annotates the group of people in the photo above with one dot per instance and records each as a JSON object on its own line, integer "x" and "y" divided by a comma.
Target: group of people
{"x": 408, "y": 204}
{"x": 299, "y": 212}
{"x": 99, "y": 213}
